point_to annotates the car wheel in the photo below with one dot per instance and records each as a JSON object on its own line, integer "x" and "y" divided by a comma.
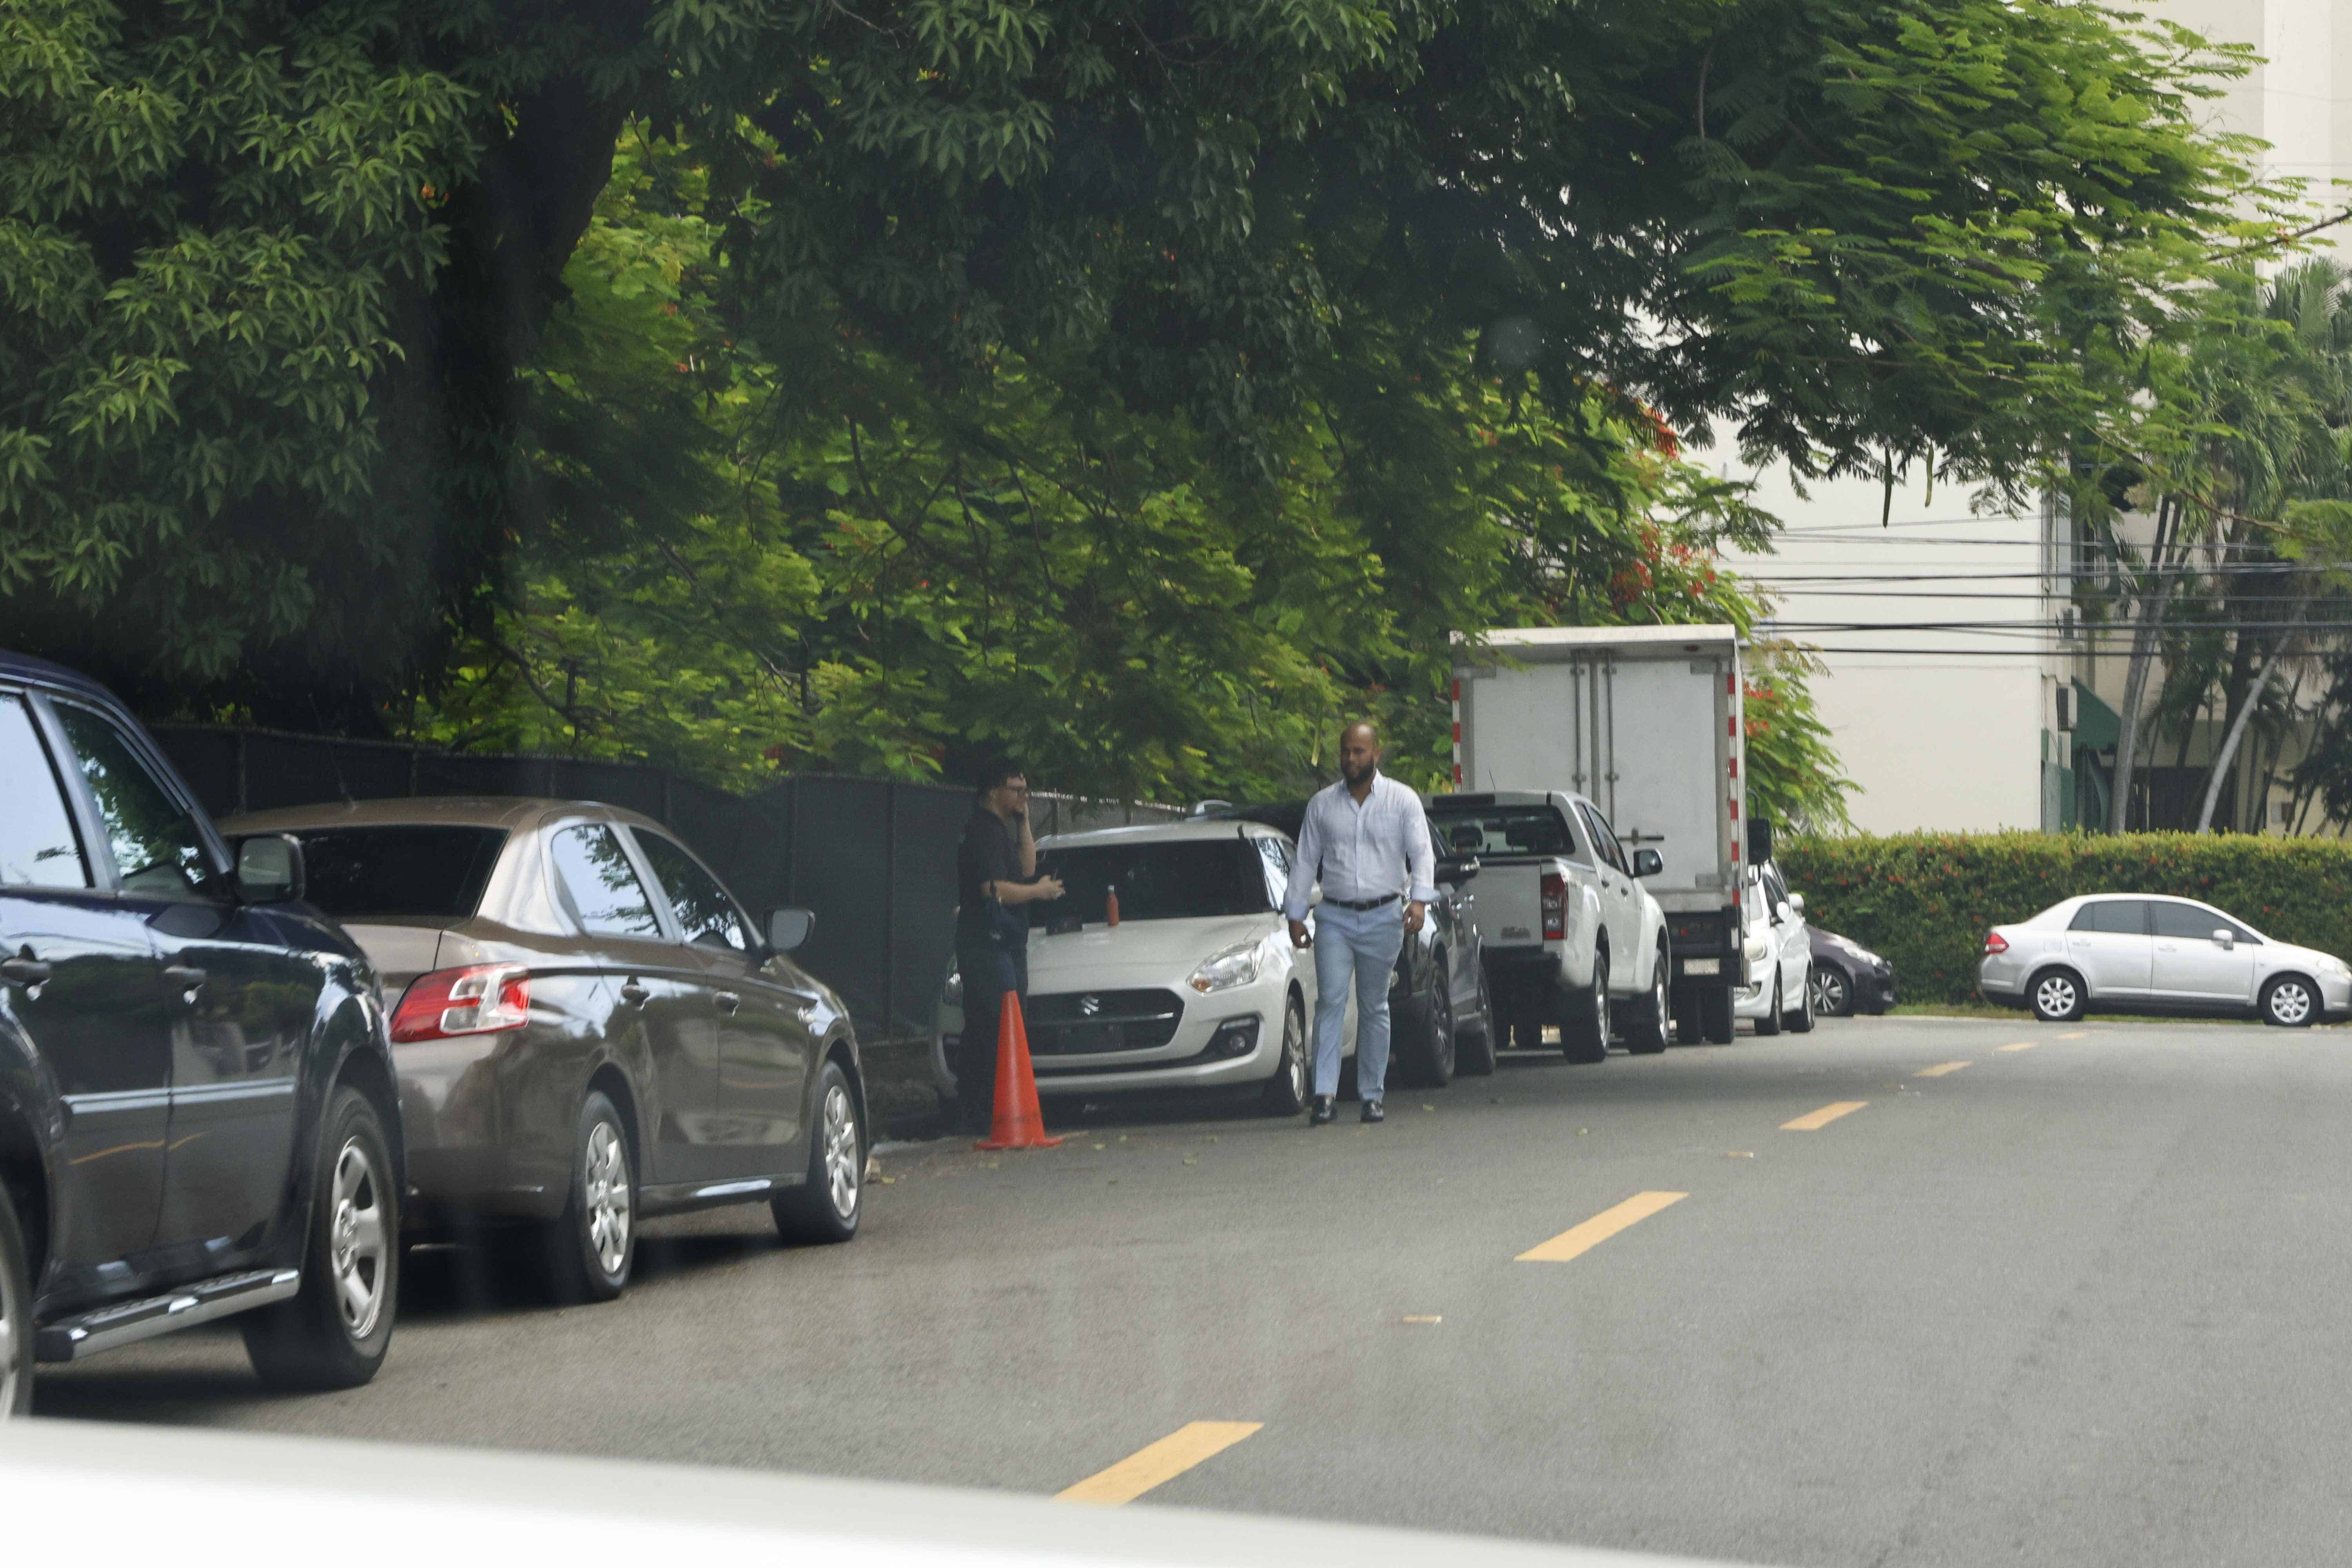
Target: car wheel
{"x": 589, "y": 1248}
{"x": 333, "y": 1331}
{"x": 1434, "y": 1069}
{"x": 1690, "y": 1020}
{"x": 1584, "y": 1018}
{"x": 1286, "y": 1091}
{"x": 1770, "y": 1024}
{"x": 1473, "y": 1050}
{"x": 2056, "y": 995}
{"x": 2291, "y": 1001}
{"x": 1832, "y": 991}
{"x": 1645, "y": 1030}
{"x": 1716, "y": 1017}
{"x": 16, "y": 1315}
{"x": 826, "y": 1206}
{"x": 1800, "y": 1022}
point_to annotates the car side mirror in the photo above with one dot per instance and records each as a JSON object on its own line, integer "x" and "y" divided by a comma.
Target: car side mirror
{"x": 1648, "y": 863}
{"x": 1797, "y": 902}
{"x": 269, "y": 870}
{"x": 2225, "y": 940}
{"x": 787, "y": 929}
{"x": 1783, "y": 914}
{"x": 1453, "y": 873}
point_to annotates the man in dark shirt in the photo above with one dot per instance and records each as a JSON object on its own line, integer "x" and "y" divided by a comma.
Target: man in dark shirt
{"x": 996, "y": 876}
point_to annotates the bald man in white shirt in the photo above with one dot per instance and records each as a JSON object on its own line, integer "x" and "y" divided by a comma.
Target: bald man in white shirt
{"x": 1366, "y": 840}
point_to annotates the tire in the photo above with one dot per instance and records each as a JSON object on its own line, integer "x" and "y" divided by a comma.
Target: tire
{"x": 589, "y": 1250}
{"x": 825, "y": 1208}
{"x": 16, "y": 1315}
{"x": 334, "y": 1330}
{"x": 1287, "y": 1090}
{"x": 1473, "y": 1050}
{"x": 1584, "y": 1017}
{"x": 1770, "y": 1024}
{"x": 1716, "y": 1017}
{"x": 1431, "y": 1063}
{"x": 2290, "y": 1001}
{"x": 1690, "y": 1020}
{"x": 1646, "y": 1029}
{"x": 1800, "y": 1022}
{"x": 2055, "y": 996}
{"x": 1832, "y": 991}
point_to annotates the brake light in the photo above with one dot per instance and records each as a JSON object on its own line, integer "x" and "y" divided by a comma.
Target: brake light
{"x": 479, "y": 999}
{"x": 1555, "y": 907}
{"x": 1996, "y": 942}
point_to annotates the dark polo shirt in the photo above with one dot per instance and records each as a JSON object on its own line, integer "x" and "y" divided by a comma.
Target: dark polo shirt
{"x": 986, "y": 854}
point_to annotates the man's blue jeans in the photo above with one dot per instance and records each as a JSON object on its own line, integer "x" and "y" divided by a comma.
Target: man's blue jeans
{"x": 1355, "y": 947}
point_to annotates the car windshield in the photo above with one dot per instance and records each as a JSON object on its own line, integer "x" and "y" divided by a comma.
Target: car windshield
{"x": 1162, "y": 881}
{"x": 1499, "y": 830}
{"x": 437, "y": 873}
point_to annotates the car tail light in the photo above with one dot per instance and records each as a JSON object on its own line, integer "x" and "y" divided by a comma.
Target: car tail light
{"x": 1996, "y": 942}
{"x": 479, "y": 999}
{"x": 1555, "y": 907}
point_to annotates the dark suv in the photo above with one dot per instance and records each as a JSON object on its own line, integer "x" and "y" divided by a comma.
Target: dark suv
{"x": 196, "y": 1112}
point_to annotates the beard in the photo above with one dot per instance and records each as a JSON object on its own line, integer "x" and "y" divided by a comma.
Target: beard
{"x": 1356, "y": 775}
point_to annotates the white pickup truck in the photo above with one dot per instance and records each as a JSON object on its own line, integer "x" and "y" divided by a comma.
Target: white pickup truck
{"x": 1570, "y": 936}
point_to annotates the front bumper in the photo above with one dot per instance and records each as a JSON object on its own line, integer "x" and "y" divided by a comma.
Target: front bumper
{"x": 1226, "y": 1039}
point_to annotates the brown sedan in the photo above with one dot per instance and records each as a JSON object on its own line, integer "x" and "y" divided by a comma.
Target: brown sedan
{"x": 588, "y": 1028}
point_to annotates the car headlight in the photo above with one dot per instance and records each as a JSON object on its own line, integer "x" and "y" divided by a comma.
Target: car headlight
{"x": 951, "y": 994}
{"x": 1758, "y": 950}
{"x": 2338, "y": 968}
{"x": 1237, "y": 966}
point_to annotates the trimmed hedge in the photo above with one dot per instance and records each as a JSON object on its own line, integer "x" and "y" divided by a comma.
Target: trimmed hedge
{"x": 1924, "y": 900}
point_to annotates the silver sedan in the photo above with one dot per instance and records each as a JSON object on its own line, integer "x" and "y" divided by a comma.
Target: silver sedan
{"x": 2155, "y": 954}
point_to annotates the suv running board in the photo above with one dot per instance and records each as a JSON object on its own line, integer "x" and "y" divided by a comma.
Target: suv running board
{"x": 128, "y": 1322}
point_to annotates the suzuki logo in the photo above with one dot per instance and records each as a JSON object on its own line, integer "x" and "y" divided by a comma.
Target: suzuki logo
{"x": 1089, "y": 1005}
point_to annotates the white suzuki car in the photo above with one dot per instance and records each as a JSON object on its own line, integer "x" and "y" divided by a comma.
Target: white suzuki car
{"x": 1197, "y": 987}
{"x": 1778, "y": 991}
{"x": 2150, "y": 954}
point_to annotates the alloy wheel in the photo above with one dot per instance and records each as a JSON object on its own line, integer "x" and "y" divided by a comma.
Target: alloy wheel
{"x": 1440, "y": 1024}
{"x": 606, "y": 1189}
{"x": 357, "y": 1239}
{"x": 14, "y": 1322}
{"x": 2055, "y": 997}
{"x": 1829, "y": 992}
{"x": 841, "y": 1167}
{"x": 2290, "y": 1003}
{"x": 1294, "y": 1051}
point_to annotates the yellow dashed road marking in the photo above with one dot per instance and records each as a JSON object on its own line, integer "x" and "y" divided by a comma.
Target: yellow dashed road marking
{"x": 2076, "y": 1035}
{"x": 1814, "y": 1121}
{"x": 2022, "y": 1046}
{"x": 1577, "y": 1240}
{"x": 1940, "y": 1070}
{"x": 1163, "y": 1461}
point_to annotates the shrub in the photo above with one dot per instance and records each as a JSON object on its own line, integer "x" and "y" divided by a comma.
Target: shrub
{"x": 1924, "y": 900}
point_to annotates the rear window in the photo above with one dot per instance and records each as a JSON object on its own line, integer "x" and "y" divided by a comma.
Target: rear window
{"x": 1164, "y": 881}
{"x": 1499, "y": 830}
{"x": 434, "y": 873}
{"x": 2121, "y": 917}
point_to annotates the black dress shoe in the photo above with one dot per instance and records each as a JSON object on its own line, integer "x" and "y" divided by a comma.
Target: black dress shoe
{"x": 1324, "y": 1109}
{"x": 1372, "y": 1111}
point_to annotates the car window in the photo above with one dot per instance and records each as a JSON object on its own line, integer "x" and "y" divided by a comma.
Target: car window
{"x": 600, "y": 888}
{"x": 39, "y": 846}
{"x": 1170, "y": 879}
{"x": 2177, "y": 920}
{"x": 1604, "y": 842}
{"x": 434, "y": 872}
{"x": 158, "y": 848}
{"x": 1498, "y": 830}
{"x": 2126, "y": 917}
{"x": 705, "y": 913}
{"x": 1276, "y": 855}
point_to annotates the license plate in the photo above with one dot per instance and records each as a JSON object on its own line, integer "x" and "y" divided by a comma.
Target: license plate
{"x": 1702, "y": 966}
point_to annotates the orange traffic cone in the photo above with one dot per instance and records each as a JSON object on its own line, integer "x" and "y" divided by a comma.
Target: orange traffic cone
{"x": 1018, "y": 1123}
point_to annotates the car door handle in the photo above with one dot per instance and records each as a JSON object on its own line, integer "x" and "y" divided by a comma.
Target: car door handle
{"x": 728, "y": 1002}
{"x": 183, "y": 976}
{"x": 25, "y": 971}
{"x": 635, "y": 995}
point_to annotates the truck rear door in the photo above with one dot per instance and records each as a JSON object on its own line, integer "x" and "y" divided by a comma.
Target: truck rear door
{"x": 1512, "y": 843}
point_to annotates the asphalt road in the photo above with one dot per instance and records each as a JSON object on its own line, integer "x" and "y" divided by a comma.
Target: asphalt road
{"x": 2080, "y": 1303}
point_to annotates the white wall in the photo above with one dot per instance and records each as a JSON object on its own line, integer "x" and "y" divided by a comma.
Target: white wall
{"x": 1938, "y": 730}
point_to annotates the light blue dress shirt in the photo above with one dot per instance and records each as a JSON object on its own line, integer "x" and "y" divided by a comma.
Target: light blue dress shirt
{"x": 1364, "y": 851}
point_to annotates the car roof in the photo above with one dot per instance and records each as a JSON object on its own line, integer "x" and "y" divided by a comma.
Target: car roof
{"x": 24, "y": 666}
{"x": 1191, "y": 830}
{"x": 508, "y": 812}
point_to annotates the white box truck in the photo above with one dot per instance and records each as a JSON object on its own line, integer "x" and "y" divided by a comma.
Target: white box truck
{"x": 1644, "y": 722}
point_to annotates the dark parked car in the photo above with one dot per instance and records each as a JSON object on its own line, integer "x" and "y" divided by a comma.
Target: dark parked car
{"x": 590, "y": 1029}
{"x": 196, "y": 1107}
{"x": 1441, "y": 1016}
{"x": 1848, "y": 978}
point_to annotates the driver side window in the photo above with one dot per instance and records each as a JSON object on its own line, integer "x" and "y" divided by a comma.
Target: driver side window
{"x": 158, "y": 848}
{"x": 1277, "y": 855}
{"x": 705, "y": 913}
